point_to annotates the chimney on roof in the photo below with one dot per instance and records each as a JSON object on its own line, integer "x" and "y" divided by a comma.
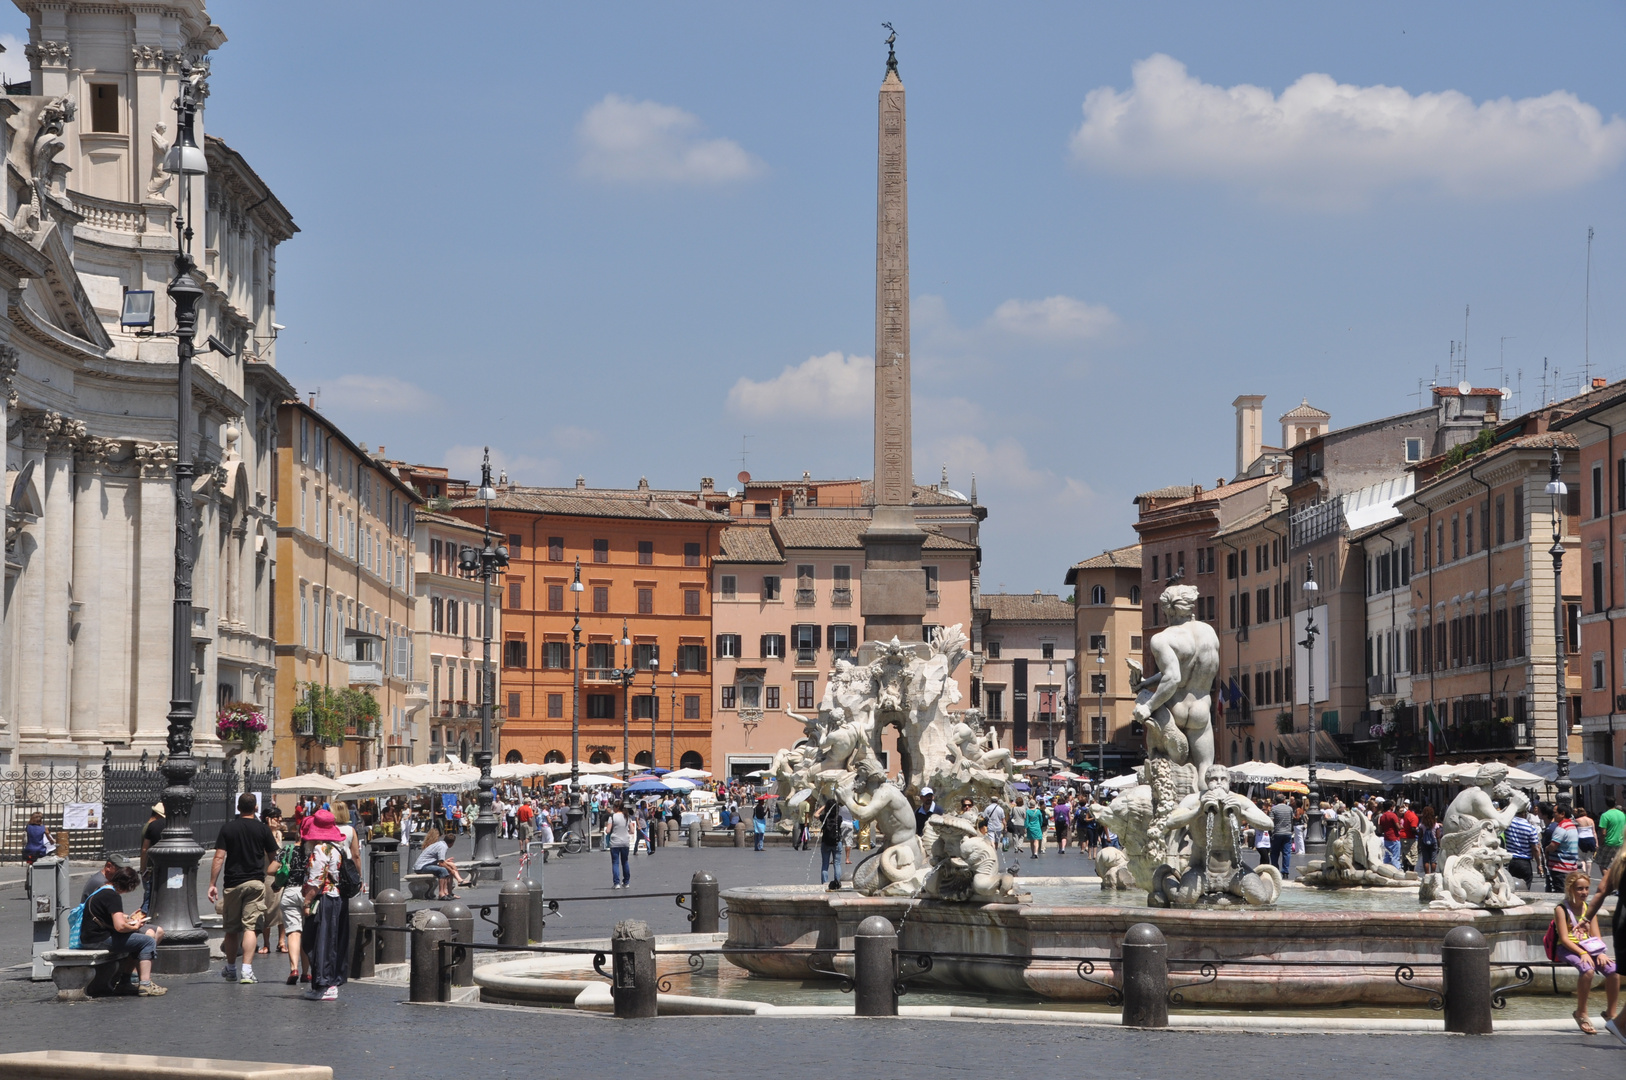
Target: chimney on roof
{"x": 1035, "y": 596}
{"x": 1598, "y": 383}
{"x": 380, "y": 449}
{"x": 643, "y": 483}
{"x": 313, "y": 399}
{"x": 707, "y": 485}
{"x": 1250, "y": 430}
{"x": 581, "y": 483}
{"x": 1219, "y": 481}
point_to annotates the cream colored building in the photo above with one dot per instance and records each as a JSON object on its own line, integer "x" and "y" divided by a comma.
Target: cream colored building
{"x": 89, "y": 427}
{"x": 1027, "y": 646}
{"x": 447, "y": 654}
{"x": 1107, "y": 634}
{"x": 345, "y": 594}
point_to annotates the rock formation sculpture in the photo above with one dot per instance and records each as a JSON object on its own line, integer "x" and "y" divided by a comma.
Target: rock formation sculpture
{"x": 965, "y": 865}
{"x": 1473, "y": 862}
{"x": 1354, "y": 857}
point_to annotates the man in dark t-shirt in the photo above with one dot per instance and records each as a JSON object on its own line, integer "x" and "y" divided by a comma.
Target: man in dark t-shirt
{"x": 101, "y": 877}
{"x": 129, "y": 939}
{"x": 245, "y": 849}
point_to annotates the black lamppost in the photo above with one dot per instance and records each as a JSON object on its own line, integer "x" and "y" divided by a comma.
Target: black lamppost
{"x": 1101, "y": 707}
{"x": 654, "y": 703}
{"x": 574, "y": 814}
{"x": 1556, "y": 489}
{"x": 485, "y": 565}
{"x": 625, "y": 676}
{"x": 1315, "y": 833}
{"x": 185, "y": 949}
{"x": 671, "y": 745}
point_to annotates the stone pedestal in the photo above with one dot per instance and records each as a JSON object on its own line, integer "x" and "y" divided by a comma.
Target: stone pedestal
{"x": 892, "y": 596}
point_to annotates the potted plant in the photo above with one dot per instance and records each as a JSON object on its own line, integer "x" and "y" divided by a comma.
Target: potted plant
{"x": 238, "y": 726}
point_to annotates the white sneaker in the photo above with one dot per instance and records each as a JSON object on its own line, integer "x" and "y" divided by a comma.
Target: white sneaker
{"x": 1614, "y": 1029}
{"x": 330, "y": 994}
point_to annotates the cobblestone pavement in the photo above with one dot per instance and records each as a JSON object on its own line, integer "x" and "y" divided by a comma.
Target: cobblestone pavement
{"x": 371, "y": 1035}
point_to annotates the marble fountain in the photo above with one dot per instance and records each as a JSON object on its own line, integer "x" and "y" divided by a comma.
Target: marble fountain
{"x": 1358, "y": 934}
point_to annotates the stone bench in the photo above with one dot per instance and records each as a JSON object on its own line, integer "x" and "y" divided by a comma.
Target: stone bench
{"x": 76, "y": 972}
{"x": 35, "y": 1064}
{"x": 419, "y": 886}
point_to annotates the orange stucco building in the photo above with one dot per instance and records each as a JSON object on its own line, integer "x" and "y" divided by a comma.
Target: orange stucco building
{"x": 645, "y": 565}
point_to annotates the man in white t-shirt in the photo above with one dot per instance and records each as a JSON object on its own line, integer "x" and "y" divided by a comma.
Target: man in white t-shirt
{"x": 619, "y": 841}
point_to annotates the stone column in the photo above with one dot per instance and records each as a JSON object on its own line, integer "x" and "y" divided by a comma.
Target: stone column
{"x": 155, "y": 594}
{"x": 29, "y": 620}
{"x": 86, "y": 692}
{"x": 58, "y": 578}
{"x": 8, "y": 637}
{"x": 892, "y": 586}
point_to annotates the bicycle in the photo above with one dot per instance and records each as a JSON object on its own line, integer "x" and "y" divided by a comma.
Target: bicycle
{"x": 574, "y": 843}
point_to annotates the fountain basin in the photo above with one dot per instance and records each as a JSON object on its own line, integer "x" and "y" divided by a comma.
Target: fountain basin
{"x": 1308, "y": 925}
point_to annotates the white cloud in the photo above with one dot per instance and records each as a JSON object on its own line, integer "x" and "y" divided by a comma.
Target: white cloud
{"x": 464, "y": 463}
{"x": 831, "y": 386}
{"x": 646, "y": 142}
{"x": 1055, "y": 318}
{"x": 374, "y": 393}
{"x": 13, "y": 64}
{"x": 1330, "y": 143}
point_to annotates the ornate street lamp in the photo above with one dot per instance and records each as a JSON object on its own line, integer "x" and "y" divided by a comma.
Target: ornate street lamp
{"x": 1315, "y": 833}
{"x": 485, "y": 566}
{"x": 625, "y": 676}
{"x": 574, "y": 815}
{"x": 185, "y": 949}
{"x": 671, "y": 744}
{"x": 1101, "y": 708}
{"x": 1556, "y": 489}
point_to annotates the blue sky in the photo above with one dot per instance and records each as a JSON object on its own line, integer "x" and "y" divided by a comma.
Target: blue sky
{"x": 614, "y": 240}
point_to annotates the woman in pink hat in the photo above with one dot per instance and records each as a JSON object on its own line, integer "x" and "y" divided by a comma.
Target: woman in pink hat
{"x": 327, "y": 927}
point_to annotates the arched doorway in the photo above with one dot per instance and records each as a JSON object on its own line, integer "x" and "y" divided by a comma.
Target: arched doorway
{"x": 1249, "y": 744}
{"x": 597, "y": 757}
{"x": 641, "y": 759}
{"x": 463, "y": 749}
{"x": 553, "y": 757}
{"x": 691, "y": 759}
{"x": 514, "y": 757}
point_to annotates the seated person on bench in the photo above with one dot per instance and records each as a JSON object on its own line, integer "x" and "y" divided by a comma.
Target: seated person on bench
{"x": 436, "y": 859}
{"x": 106, "y": 926}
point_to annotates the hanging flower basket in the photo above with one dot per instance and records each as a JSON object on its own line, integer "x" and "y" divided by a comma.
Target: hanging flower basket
{"x": 239, "y": 725}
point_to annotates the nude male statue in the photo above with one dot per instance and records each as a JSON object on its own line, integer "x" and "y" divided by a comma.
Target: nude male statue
{"x": 892, "y": 814}
{"x": 1178, "y": 713}
{"x": 1215, "y": 818}
{"x": 1473, "y": 810}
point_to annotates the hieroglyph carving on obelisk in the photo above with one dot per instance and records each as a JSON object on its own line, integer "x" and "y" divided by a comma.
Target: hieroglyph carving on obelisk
{"x": 893, "y": 473}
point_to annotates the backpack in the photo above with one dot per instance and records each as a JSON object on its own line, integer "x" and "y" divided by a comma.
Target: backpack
{"x": 349, "y": 875}
{"x": 1549, "y": 940}
{"x": 76, "y": 921}
{"x": 291, "y": 867}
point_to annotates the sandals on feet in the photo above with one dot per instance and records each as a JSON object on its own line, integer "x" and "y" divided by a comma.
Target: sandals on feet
{"x": 1585, "y": 1024}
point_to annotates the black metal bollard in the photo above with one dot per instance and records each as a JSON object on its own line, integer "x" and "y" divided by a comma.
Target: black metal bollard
{"x": 362, "y": 920}
{"x": 384, "y": 857}
{"x": 1145, "y": 977}
{"x": 461, "y": 920}
{"x": 389, "y": 908}
{"x": 1465, "y": 961}
{"x": 875, "y": 968}
{"x": 429, "y": 929}
{"x": 703, "y": 891}
{"x": 513, "y": 913}
{"x": 632, "y": 950}
{"x": 532, "y": 878}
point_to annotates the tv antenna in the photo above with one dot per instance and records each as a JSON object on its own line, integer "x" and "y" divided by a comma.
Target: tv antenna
{"x": 745, "y": 449}
{"x": 1586, "y": 334}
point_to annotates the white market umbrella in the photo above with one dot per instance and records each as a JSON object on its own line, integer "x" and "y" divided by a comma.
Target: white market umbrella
{"x": 307, "y": 784}
{"x": 445, "y": 776}
{"x": 377, "y": 789}
{"x": 590, "y": 780}
{"x": 679, "y": 783}
{"x": 368, "y": 776}
{"x": 1118, "y": 782}
{"x": 689, "y": 774}
{"x": 1257, "y": 772}
{"x": 517, "y": 770}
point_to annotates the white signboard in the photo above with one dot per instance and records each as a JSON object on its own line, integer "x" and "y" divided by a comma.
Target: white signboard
{"x": 1301, "y": 658}
{"x": 82, "y": 815}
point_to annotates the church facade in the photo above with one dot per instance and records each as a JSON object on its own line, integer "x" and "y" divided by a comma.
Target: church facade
{"x": 90, "y": 417}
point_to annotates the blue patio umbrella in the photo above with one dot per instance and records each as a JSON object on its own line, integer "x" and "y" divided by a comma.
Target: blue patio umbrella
{"x": 647, "y": 786}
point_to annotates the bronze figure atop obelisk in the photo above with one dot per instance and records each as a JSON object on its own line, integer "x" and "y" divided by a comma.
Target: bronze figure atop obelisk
{"x": 893, "y": 585}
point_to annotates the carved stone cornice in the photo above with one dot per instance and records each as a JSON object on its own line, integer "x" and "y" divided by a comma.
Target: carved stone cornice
{"x": 36, "y": 428}
{"x": 155, "y": 460}
{"x": 94, "y": 453}
{"x": 48, "y": 53}
{"x": 66, "y": 438}
{"x": 154, "y": 57}
{"x": 8, "y": 364}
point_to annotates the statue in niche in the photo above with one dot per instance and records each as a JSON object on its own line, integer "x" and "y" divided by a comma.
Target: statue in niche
{"x": 1215, "y": 819}
{"x": 900, "y": 866}
{"x": 159, "y": 182}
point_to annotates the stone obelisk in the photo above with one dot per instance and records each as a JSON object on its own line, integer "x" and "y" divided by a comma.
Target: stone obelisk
{"x": 893, "y": 585}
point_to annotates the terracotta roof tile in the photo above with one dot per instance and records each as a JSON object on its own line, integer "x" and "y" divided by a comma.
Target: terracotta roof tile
{"x": 749, "y": 544}
{"x": 1028, "y": 607}
{"x": 592, "y": 504}
{"x": 1124, "y": 558}
{"x": 843, "y": 533}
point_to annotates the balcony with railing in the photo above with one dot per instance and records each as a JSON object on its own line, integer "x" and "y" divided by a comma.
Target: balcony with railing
{"x": 841, "y": 597}
{"x": 806, "y": 657}
{"x": 1380, "y": 685}
{"x": 806, "y": 597}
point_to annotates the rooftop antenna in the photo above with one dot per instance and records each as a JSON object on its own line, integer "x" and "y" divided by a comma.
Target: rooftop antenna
{"x": 745, "y": 449}
{"x": 1586, "y": 338}
{"x": 1419, "y": 394}
{"x": 1544, "y": 380}
{"x": 1519, "y": 385}
{"x": 1464, "y": 341}
{"x": 1501, "y": 358}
